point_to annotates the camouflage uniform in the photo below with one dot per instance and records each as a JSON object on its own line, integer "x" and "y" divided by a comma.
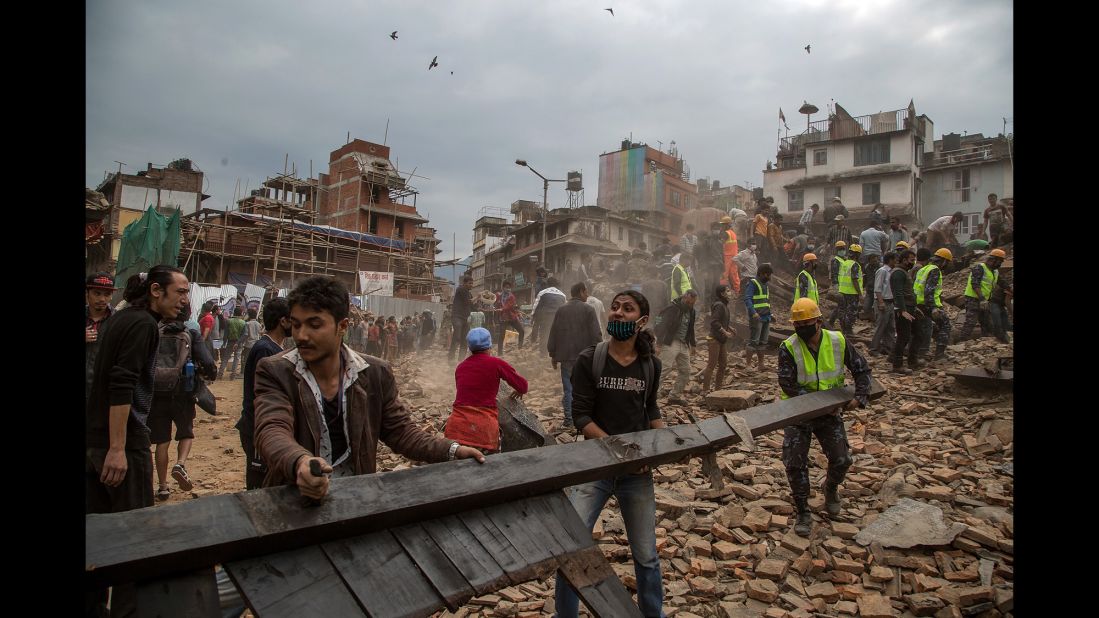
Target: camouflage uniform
{"x": 973, "y": 314}
{"x": 828, "y": 428}
{"x": 928, "y": 327}
{"x": 849, "y": 312}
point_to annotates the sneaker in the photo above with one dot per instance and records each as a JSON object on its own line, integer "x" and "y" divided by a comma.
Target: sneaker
{"x": 179, "y": 473}
{"x": 901, "y": 369}
{"x": 163, "y": 493}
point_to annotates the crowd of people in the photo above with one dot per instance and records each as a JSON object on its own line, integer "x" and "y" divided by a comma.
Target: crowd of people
{"x": 320, "y": 391}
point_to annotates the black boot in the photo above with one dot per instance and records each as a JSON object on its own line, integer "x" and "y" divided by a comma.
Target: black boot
{"x": 901, "y": 369}
{"x": 831, "y": 499}
{"x": 804, "y": 524}
{"x": 940, "y": 352}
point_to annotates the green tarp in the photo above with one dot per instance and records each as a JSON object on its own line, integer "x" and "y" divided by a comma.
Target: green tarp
{"x": 153, "y": 239}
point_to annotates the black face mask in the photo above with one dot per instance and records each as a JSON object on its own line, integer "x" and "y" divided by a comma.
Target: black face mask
{"x": 806, "y": 332}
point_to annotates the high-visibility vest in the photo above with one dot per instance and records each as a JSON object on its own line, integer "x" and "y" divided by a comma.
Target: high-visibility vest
{"x": 686, "y": 285}
{"x": 921, "y": 281}
{"x": 812, "y": 287}
{"x": 761, "y": 299}
{"x": 846, "y": 281}
{"x": 824, "y": 372}
{"x": 730, "y": 247}
{"x": 987, "y": 283}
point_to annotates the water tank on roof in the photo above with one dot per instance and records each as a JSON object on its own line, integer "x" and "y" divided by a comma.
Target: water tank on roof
{"x": 715, "y": 185}
{"x": 625, "y": 144}
{"x": 952, "y": 141}
{"x": 575, "y": 181}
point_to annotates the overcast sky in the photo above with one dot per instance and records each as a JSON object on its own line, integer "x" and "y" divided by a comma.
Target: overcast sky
{"x": 236, "y": 86}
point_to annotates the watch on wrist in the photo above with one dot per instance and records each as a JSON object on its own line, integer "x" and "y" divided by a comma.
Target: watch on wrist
{"x": 453, "y": 449}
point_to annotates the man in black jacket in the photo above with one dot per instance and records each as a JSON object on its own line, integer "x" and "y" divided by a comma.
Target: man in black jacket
{"x": 717, "y": 347}
{"x": 677, "y": 340}
{"x": 575, "y": 328}
{"x": 118, "y": 466}
{"x": 459, "y": 318}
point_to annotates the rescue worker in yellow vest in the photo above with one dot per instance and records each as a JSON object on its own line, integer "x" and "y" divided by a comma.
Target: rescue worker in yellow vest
{"x": 839, "y": 255}
{"x": 758, "y": 303}
{"x": 806, "y": 286}
{"x": 983, "y": 278}
{"x": 730, "y": 248}
{"x": 849, "y": 279}
{"x": 812, "y": 359}
{"x": 681, "y": 279}
{"x": 929, "y": 290}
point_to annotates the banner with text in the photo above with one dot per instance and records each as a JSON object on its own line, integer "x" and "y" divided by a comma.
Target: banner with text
{"x": 376, "y": 283}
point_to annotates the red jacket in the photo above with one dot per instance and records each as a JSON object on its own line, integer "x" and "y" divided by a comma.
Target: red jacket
{"x": 473, "y": 420}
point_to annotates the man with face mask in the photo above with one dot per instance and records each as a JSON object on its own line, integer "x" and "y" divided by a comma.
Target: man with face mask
{"x": 758, "y": 304}
{"x": 808, "y": 361}
{"x": 849, "y": 278}
{"x": 983, "y": 278}
{"x": 839, "y": 254}
{"x": 904, "y": 314}
{"x": 806, "y": 286}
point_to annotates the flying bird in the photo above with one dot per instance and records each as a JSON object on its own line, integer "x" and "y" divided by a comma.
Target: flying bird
{"x": 434, "y": 63}
{"x": 807, "y": 50}
{"x": 611, "y": 11}
{"x": 452, "y": 72}
{"x": 393, "y": 35}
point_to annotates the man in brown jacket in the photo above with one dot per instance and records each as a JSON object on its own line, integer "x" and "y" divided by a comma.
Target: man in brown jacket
{"x": 324, "y": 401}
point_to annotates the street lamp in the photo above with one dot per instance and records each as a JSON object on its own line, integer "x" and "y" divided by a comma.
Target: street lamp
{"x": 545, "y": 202}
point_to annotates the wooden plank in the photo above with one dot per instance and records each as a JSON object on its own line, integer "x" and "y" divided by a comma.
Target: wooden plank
{"x": 978, "y": 377}
{"x": 550, "y": 518}
{"x": 534, "y": 543}
{"x": 383, "y": 577}
{"x": 498, "y": 546}
{"x": 589, "y": 574}
{"x": 466, "y": 554}
{"x": 192, "y": 595}
{"x": 147, "y": 543}
{"x": 293, "y": 584}
{"x": 617, "y": 597}
{"x": 433, "y": 562}
{"x": 567, "y": 517}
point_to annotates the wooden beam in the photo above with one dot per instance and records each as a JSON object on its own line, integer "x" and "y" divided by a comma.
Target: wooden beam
{"x": 165, "y": 540}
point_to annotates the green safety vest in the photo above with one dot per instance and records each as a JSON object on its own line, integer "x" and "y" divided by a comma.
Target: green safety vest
{"x": 824, "y": 372}
{"x": 761, "y": 299}
{"x": 686, "y": 282}
{"x": 847, "y": 284}
{"x": 987, "y": 283}
{"x": 921, "y": 280}
{"x": 812, "y": 287}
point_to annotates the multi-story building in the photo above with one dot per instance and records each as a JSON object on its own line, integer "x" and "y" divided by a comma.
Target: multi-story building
{"x": 961, "y": 172}
{"x": 490, "y": 231}
{"x": 712, "y": 194}
{"x": 641, "y": 179}
{"x": 863, "y": 160}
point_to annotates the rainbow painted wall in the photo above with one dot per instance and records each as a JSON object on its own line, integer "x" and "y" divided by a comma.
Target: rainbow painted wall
{"x": 624, "y": 183}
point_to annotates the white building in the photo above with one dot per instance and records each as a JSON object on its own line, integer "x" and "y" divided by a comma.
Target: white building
{"x": 862, "y": 160}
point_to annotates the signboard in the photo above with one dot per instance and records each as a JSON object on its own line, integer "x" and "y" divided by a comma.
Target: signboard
{"x": 376, "y": 283}
{"x": 520, "y": 281}
{"x": 253, "y": 295}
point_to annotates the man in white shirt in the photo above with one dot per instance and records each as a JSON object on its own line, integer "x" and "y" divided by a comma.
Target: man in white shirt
{"x": 941, "y": 231}
{"x": 808, "y": 215}
{"x": 747, "y": 262}
{"x": 600, "y": 314}
{"x": 885, "y": 333}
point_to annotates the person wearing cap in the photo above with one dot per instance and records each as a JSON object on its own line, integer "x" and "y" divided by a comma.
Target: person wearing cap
{"x": 884, "y": 320}
{"x": 730, "y": 247}
{"x": 904, "y": 314}
{"x": 835, "y": 208}
{"x": 983, "y": 277}
{"x": 324, "y": 402}
{"x": 575, "y": 328}
{"x": 839, "y": 254}
{"x": 757, "y": 302}
{"x": 811, "y": 360}
{"x": 901, "y": 246}
{"x": 849, "y": 280}
{"x": 929, "y": 290}
{"x": 805, "y": 286}
{"x": 838, "y": 232}
{"x": 474, "y": 418}
{"x": 98, "y": 289}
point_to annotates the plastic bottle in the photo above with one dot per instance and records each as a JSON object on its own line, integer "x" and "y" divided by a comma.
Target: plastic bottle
{"x": 189, "y": 376}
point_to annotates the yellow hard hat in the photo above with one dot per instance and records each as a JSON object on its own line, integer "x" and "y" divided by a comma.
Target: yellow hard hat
{"x": 945, "y": 254}
{"x": 901, "y": 243}
{"x": 997, "y": 253}
{"x": 840, "y": 244}
{"x": 808, "y": 257}
{"x": 804, "y": 309}
{"x": 726, "y": 219}
{"x": 856, "y": 248}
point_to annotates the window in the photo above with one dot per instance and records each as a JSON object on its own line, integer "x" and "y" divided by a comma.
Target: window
{"x": 675, "y": 198}
{"x": 400, "y": 229}
{"x": 869, "y": 152}
{"x": 796, "y": 200}
{"x": 820, "y": 157}
{"x": 620, "y": 232}
{"x": 373, "y": 223}
{"x": 871, "y": 193}
{"x": 635, "y": 238}
{"x": 829, "y": 193}
{"x": 960, "y": 186}
{"x": 968, "y": 225}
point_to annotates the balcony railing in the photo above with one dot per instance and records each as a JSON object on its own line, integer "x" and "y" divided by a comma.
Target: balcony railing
{"x": 968, "y": 154}
{"x": 834, "y": 128}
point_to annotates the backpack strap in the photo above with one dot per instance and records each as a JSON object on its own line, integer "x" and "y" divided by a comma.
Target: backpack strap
{"x": 650, "y": 372}
{"x": 599, "y": 360}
